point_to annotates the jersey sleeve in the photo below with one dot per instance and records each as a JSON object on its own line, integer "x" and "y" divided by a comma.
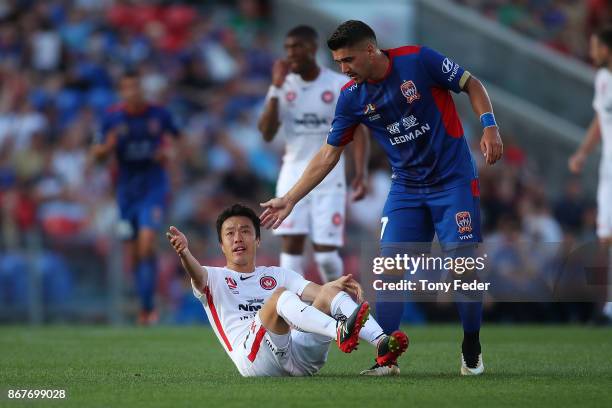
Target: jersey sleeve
{"x": 444, "y": 71}
{"x": 199, "y": 295}
{"x": 598, "y": 78}
{"x": 344, "y": 123}
{"x": 294, "y": 282}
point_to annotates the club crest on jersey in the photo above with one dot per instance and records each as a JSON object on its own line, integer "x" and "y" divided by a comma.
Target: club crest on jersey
{"x": 464, "y": 222}
{"x": 231, "y": 284}
{"x": 290, "y": 96}
{"x": 337, "y": 219}
{"x": 267, "y": 282}
{"x": 327, "y": 96}
{"x": 409, "y": 90}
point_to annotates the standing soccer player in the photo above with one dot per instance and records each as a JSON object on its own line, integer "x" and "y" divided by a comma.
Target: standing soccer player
{"x": 403, "y": 96}
{"x": 139, "y": 136}
{"x": 601, "y": 129}
{"x": 300, "y": 106}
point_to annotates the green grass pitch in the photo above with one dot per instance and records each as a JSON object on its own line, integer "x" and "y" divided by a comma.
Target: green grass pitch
{"x": 174, "y": 366}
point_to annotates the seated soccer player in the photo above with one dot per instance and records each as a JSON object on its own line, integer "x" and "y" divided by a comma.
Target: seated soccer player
{"x": 271, "y": 321}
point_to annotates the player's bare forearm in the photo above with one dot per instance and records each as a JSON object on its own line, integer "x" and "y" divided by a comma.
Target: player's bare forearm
{"x": 490, "y": 144}
{"x": 310, "y": 292}
{"x": 593, "y": 136}
{"x": 361, "y": 150}
{"x": 345, "y": 283}
{"x": 277, "y": 209}
{"x": 479, "y": 98}
{"x": 319, "y": 167}
{"x": 101, "y": 151}
{"x": 268, "y": 122}
{"x": 361, "y": 153}
{"x": 197, "y": 273}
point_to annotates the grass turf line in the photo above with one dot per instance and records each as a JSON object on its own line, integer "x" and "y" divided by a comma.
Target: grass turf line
{"x": 186, "y": 366}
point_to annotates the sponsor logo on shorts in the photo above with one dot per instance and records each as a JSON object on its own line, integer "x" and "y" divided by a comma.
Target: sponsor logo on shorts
{"x": 409, "y": 90}
{"x": 267, "y": 282}
{"x": 327, "y": 96}
{"x": 464, "y": 222}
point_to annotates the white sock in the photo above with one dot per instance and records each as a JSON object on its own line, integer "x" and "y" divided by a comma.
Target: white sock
{"x": 304, "y": 317}
{"x": 292, "y": 262}
{"x": 343, "y": 304}
{"x": 330, "y": 265}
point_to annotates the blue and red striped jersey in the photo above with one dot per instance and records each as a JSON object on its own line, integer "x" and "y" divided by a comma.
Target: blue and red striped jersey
{"x": 139, "y": 136}
{"x": 412, "y": 115}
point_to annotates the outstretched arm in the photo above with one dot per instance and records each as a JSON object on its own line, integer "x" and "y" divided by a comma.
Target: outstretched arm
{"x": 277, "y": 209}
{"x": 490, "y": 144}
{"x": 593, "y": 136}
{"x": 361, "y": 154}
{"x": 197, "y": 273}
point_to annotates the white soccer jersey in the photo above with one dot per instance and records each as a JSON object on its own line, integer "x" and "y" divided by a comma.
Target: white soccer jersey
{"x": 602, "y": 103}
{"x": 306, "y": 110}
{"x": 231, "y": 299}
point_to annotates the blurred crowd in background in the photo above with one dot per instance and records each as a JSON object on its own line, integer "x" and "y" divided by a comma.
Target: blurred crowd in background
{"x": 210, "y": 65}
{"x": 564, "y": 25}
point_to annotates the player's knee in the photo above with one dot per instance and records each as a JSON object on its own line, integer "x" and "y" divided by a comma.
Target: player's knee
{"x": 146, "y": 246}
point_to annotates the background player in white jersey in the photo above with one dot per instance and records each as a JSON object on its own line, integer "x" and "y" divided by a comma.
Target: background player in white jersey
{"x": 601, "y": 129}
{"x": 259, "y": 314}
{"x": 300, "y": 107}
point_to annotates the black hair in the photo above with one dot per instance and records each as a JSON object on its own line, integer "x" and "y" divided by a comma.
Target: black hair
{"x": 604, "y": 34}
{"x": 238, "y": 210}
{"x": 349, "y": 33}
{"x": 304, "y": 32}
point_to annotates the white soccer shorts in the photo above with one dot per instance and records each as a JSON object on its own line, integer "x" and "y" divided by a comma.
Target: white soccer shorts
{"x": 261, "y": 353}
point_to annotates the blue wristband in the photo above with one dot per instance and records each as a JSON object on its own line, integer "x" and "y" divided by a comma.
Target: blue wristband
{"x": 487, "y": 119}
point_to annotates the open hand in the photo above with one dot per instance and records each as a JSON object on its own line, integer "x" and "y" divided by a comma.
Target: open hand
{"x": 276, "y": 210}
{"x": 178, "y": 240}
